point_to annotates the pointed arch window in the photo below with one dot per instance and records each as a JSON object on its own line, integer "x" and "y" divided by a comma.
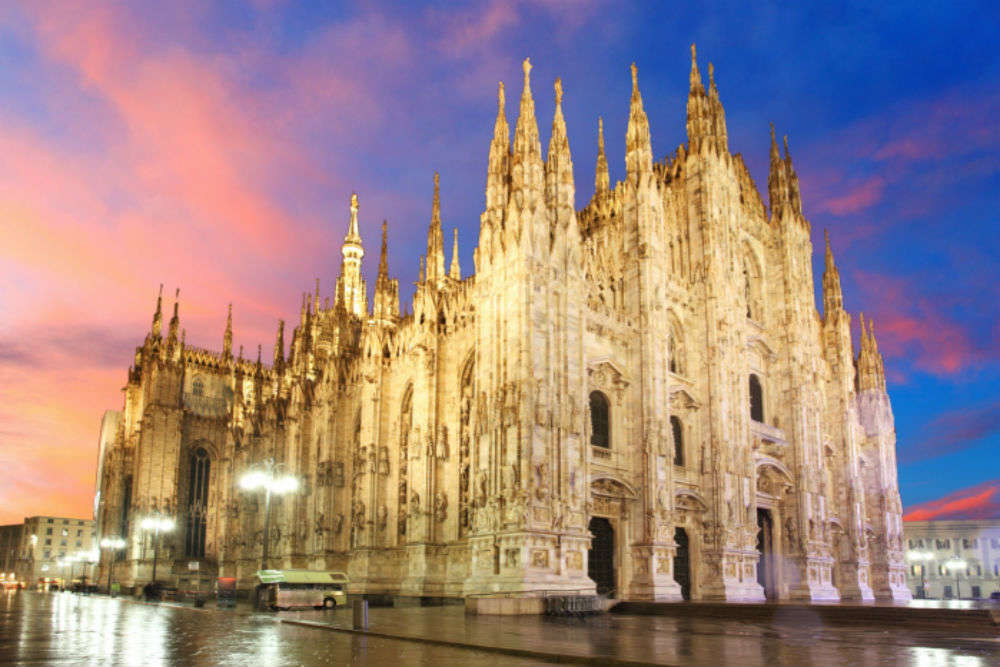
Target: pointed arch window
{"x": 198, "y": 387}
{"x": 199, "y": 471}
{"x": 756, "y": 399}
{"x": 678, "y": 433}
{"x": 675, "y": 349}
{"x": 600, "y": 420}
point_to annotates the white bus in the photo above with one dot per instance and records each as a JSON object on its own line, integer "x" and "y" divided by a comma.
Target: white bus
{"x": 298, "y": 589}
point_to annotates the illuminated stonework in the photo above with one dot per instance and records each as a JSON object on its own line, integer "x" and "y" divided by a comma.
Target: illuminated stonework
{"x": 672, "y": 323}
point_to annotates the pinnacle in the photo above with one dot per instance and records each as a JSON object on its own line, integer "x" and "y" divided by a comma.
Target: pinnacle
{"x": 695, "y": 74}
{"x": 353, "y": 235}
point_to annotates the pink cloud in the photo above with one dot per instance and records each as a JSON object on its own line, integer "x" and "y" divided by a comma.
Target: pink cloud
{"x": 857, "y": 198}
{"x": 981, "y": 501}
{"x": 911, "y": 325}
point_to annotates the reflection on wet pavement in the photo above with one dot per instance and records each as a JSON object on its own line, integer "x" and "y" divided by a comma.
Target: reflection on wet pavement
{"x": 684, "y": 641}
{"x": 70, "y": 629}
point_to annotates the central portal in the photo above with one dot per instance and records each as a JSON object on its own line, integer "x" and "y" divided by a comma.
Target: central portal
{"x": 601, "y": 558}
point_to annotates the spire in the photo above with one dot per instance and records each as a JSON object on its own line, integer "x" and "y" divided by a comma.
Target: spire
{"x": 227, "y": 338}
{"x": 258, "y": 356}
{"x": 455, "y": 271}
{"x": 777, "y": 180}
{"x": 175, "y": 320}
{"x": 559, "y": 188}
{"x": 794, "y": 197}
{"x": 498, "y": 170}
{"x": 695, "y": 77}
{"x": 638, "y": 146}
{"x": 526, "y": 161}
{"x": 316, "y": 298}
{"x": 383, "y": 261}
{"x": 421, "y": 268}
{"x": 833, "y": 299}
{"x": 435, "y": 237}
{"x": 351, "y": 292}
{"x": 602, "y": 180}
{"x": 155, "y": 332}
{"x": 279, "y": 347}
{"x": 386, "y": 305}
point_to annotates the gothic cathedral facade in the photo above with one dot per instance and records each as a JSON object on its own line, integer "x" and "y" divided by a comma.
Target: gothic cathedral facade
{"x": 638, "y": 398}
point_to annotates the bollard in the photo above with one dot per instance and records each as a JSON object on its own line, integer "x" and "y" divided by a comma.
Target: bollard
{"x": 361, "y": 614}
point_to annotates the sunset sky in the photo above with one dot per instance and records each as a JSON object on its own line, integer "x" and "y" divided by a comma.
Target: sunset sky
{"x": 215, "y": 150}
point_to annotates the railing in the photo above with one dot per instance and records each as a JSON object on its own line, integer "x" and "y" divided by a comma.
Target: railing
{"x": 768, "y": 432}
{"x": 608, "y": 456}
{"x": 206, "y": 406}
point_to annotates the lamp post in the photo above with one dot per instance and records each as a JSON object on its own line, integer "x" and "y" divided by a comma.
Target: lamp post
{"x": 923, "y": 557}
{"x": 270, "y": 481}
{"x": 112, "y": 544}
{"x": 955, "y": 564}
{"x": 157, "y": 524}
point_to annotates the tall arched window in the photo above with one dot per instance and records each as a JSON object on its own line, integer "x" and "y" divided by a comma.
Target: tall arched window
{"x": 675, "y": 428}
{"x": 600, "y": 420}
{"x": 676, "y": 352}
{"x": 756, "y": 399}
{"x": 198, "y": 387}
{"x": 199, "y": 469}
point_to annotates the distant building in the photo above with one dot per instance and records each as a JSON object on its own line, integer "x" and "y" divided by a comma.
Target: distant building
{"x": 40, "y": 549}
{"x": 953, "y": 559}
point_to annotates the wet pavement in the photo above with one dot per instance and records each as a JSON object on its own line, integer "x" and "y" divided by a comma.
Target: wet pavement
{"x": 71, "y": 629}
{"x": 792, "y": 640}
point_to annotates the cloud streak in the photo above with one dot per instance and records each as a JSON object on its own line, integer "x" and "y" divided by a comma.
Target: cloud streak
{"x": 981, "y": 501}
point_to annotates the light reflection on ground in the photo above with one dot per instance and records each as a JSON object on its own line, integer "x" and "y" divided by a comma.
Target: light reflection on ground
{"x": 70, "y": 629}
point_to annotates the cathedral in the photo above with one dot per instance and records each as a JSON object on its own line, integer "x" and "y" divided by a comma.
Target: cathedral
{"x": 638, "y": 399}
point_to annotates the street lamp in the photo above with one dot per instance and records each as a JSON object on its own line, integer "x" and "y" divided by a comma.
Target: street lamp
{"x": 270, "y": 481}
{"x": 112, "y": 544}
{"x": 923, "y": 557}
{"x": 955, "y": 564}
{"x": 157, "y": 524}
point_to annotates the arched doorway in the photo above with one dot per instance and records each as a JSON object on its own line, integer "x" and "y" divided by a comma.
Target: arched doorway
{"x": 601, "y": 558}
{"x": 682, "y": 562}
{"x": 765, "y": 547}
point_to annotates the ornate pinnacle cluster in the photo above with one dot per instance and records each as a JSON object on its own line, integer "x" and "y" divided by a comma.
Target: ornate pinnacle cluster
{"x": 706, "y": 119}
{"x": 870, "y": 365}
{"x": 783, "y": 182}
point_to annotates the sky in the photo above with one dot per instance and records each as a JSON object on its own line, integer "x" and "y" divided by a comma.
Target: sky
{"x": 214, "y": 147}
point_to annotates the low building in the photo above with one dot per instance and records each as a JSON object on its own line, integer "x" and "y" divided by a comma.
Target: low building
{"x": 953, "y": 559}
{"x": 10, "y": 551}
{"x": 48, "y": 549}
